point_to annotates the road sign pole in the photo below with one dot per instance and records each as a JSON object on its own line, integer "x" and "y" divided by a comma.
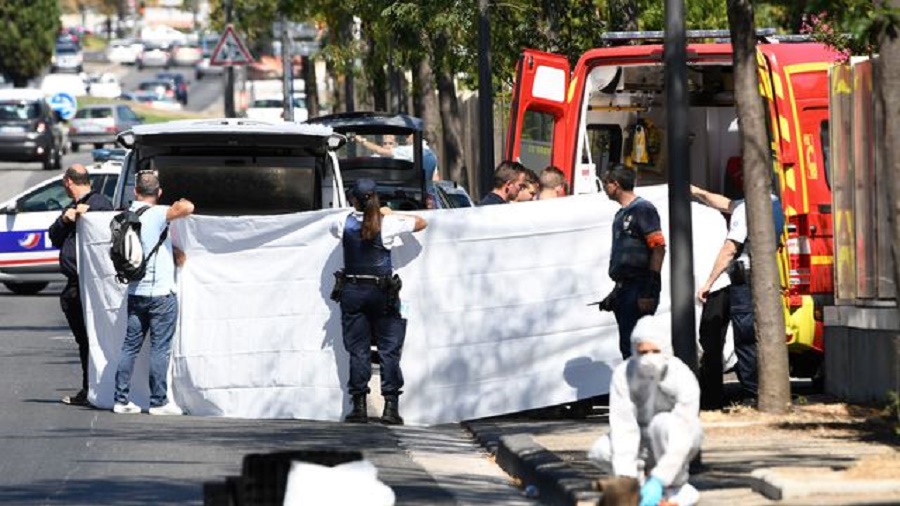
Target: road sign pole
{"x": 287, "y": 72}
{"x": 229, "y": 71}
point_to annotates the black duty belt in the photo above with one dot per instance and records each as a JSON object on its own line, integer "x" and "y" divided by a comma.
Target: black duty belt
{"x": 366, "y": 279}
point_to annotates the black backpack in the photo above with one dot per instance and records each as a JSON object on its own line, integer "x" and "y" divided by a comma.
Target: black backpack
{"x": 126, "y": 252}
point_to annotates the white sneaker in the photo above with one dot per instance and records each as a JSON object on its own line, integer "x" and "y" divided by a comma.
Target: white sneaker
{"x": 127, "y": 409}
{"x": 167, "y": 409}
{"x": 685, "y": 495}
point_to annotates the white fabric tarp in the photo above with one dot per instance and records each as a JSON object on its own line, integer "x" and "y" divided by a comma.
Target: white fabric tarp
{"x": 496, "y": 300}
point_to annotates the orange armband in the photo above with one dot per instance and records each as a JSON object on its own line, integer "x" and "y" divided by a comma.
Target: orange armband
{"x": 655, "y": 239}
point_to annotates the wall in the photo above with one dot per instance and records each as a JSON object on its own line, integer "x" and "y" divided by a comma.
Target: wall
{"x": 862, "y": 329}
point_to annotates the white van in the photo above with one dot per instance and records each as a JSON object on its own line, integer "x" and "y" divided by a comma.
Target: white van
{"x": 234, "y": 167}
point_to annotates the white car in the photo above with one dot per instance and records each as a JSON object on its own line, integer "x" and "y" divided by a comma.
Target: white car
{"x": 72, "y": 84}
{"x": 68, "y": 57}
{"x": 28, "y": 261}
{"x": 124, "y": 51}
{"x": 105, "y": 85}
{"x": 266, "y": 109}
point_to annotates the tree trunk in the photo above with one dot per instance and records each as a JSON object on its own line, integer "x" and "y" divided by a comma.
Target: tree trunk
{"x": 887, "y": 76}
{"x": 774, "y": 385}
{"x": 311, "y": 86}
{"x": 425, "y": 106}
{"x": 377, "y": 76}
{"x": 452, "y": 125}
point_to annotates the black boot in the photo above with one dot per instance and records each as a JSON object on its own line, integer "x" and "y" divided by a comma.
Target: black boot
{"x": 359, "y": 414}
{"x": 391, "y": 415}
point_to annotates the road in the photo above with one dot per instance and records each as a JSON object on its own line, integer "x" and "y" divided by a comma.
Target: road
{"x": 58, "y": 454}
{"x": 203, "y": 96}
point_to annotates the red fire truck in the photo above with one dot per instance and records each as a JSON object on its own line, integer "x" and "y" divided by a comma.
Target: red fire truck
{"x": 611, "y": 109}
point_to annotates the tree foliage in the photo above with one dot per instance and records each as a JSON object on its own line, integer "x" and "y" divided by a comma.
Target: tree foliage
{"x": 854, "y": 27}
{"x": 28, "y": 38}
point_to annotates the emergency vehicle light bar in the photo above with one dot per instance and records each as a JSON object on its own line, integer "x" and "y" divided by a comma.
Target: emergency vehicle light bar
{"x": 690, "y": 34}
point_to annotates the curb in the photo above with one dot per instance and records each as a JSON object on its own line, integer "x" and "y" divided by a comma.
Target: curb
{"x": 520, "y": 456}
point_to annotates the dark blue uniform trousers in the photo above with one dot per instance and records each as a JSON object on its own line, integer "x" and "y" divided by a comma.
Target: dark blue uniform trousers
{"x": 744, "y": 336}
{"x": 365, "y": 315}
{"x": 627, "y": 313}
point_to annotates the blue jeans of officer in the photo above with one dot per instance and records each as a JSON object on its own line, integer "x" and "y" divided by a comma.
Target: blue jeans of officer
{"x": 365, "y": 316}
{"x": 627, "y": 312}
{"x": 744, "y": 336}
{"x": 158, "y": 316}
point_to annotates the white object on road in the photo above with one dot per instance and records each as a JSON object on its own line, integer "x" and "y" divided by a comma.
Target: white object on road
{"x": 351, "y": 484}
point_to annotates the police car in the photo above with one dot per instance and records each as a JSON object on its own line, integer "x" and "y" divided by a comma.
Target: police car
{"x": 28, "y": 261}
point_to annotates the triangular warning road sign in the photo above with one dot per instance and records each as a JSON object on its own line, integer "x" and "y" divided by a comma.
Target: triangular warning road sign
{"x": 230, "y": 50}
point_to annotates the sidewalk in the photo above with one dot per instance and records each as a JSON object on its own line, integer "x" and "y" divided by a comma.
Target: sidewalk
{"x": 748, "y": 459}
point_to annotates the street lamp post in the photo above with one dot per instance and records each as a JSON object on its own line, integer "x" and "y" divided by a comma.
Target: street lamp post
{"x": 680, "y": 229}
{"x": 485, "y": 99}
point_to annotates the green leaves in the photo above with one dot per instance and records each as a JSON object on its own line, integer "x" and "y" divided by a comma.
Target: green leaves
{"x": 28, "y": 38}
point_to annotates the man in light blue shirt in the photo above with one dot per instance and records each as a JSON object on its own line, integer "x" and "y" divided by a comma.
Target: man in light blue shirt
{"x": 152, "y": 304}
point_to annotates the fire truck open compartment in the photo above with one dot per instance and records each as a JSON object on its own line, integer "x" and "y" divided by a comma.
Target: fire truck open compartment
{"x": 622, "y": 100}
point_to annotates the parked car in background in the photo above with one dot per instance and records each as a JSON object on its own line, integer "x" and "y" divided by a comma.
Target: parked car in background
{"x": 154, "y": 55}
{"x": 67, "y": 57}
{"x": 104, "y": 85}
{"x": 28, "y": 130}
{"x": 301, "y": 113}
{"x": 187, "y": 54}
{"x": 28, "y": 261}
{"x": 203, "y": 68}
{"x": 161, "y": 87}
{"x": 181, "y": 85}
{"x": 266, "y": 109}
{"x": 98, "y": 124}
{"x": 124, "y": 51}
{"x": 455, "y": 195}
{"x": 73, "y": 84}
{"x": 156, "y": 101}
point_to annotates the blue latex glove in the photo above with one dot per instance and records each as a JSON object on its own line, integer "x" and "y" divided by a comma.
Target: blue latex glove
{"x": 651, "y": 492}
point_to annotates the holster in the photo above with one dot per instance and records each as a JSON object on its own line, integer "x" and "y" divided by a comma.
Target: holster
{"x": 738, "y": 274}
{"x": 393, "y": 293}
{"x": 339, "y": 281}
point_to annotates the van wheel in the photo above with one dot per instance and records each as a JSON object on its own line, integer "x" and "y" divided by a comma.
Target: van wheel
{"x": 48, "y": 161}
{"x": 25, "y": 288}
{"x": 98, "y": 145}
{"x": 74, "y": 147}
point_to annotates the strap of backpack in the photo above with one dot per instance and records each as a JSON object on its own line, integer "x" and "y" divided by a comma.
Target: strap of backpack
{"x": 162, "y": 238}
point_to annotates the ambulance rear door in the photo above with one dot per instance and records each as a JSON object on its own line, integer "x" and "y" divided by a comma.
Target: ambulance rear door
{"x": 538, "y": 112}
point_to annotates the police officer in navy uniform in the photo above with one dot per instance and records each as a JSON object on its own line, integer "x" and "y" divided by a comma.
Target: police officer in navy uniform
{"x": 368, "y": 292}
{"x": 77, "y": 183}
{"x": 734, "y": 258}
{"x": 638, "y": 251}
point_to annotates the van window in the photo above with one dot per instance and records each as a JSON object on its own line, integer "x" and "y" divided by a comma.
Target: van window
{"x": 94, "y": 112}
{"x": 16, "y": 111}
{"x": 536, "y": 144}
{"x": 825, "y": 139}
{"x": 605, "y": 144}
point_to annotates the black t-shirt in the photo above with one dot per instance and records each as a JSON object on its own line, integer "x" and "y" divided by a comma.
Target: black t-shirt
{"x": 62, "y": 234}
{"x": 491, "y": 199}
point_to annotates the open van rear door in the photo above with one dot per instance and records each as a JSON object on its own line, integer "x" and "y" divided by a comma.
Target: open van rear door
{"x": 538, "y": 111}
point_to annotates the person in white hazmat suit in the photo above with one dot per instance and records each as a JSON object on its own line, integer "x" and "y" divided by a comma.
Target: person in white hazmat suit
{"x": 654, "y": 419}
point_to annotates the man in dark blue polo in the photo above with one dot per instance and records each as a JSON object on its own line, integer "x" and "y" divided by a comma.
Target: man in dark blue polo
{"x": 638, "y": 250}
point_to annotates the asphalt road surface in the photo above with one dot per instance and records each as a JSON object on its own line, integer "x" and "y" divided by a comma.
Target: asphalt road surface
{"x": 58, "y": 454}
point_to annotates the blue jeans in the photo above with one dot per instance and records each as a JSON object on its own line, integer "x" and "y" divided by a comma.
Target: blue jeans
{"x": 158, "y": 316}
{"x": 365, "y": 318}
{"x": 744, "y": 336}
